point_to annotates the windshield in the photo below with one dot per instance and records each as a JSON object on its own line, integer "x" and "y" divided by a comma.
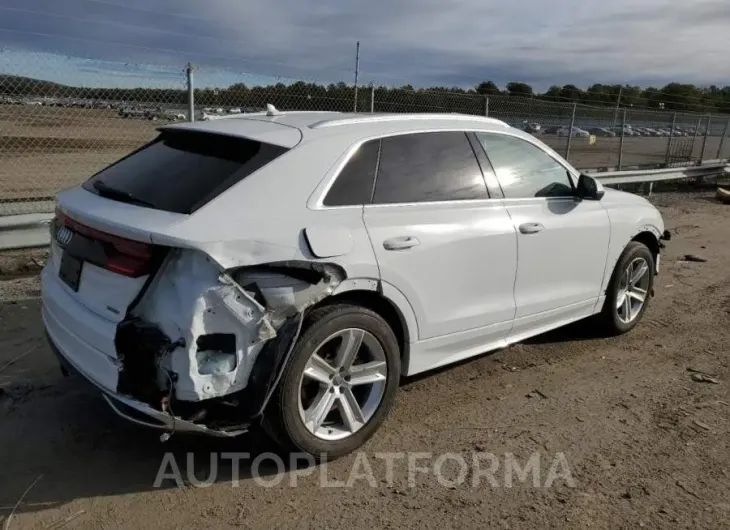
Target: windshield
{"x": 181, "y": 170}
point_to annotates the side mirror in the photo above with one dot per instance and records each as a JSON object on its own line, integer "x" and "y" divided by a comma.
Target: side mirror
{"x": 589, "y": 188}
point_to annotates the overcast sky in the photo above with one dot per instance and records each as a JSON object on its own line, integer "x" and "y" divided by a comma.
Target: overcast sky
{"x": 421, "y": 42}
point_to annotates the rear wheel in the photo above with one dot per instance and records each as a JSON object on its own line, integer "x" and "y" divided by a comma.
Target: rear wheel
{"x": 339, "y": 384}
{"x": 630, "y": 289}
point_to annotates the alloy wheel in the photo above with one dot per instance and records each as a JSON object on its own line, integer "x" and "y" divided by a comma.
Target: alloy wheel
{"x": 342, "y": 384}
{"x": 633, "y": 290}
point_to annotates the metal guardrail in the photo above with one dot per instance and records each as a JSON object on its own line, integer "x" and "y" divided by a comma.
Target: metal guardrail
{"x": 29, "y": 230}
{"x": 709, "y": 168}
{"x": 32, "y": 230}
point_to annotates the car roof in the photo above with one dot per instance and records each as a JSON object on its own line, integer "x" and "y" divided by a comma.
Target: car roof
{"x": 312, "y": 125}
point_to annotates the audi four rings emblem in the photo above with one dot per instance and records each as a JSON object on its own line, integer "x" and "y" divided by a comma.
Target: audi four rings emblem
{"x": 64, "y": 235}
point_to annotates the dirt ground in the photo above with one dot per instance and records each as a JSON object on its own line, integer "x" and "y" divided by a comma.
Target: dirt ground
{"x": 646, "y": 443}
{"x": 46, "y": 149}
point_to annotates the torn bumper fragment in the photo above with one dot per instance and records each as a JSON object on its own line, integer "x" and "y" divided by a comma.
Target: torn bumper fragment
{"x": 138, "y": 411}
{"x": 206, "y": 346}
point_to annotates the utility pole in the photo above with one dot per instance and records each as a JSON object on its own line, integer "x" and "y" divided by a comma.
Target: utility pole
{"x": 191, "y": 92}
{"x": 618, "y": 106}
{"x": 357, "y": 72}
{"x": 671, "y": 135}
{"x": 570, "y": 133}
{"x": 707, "y": 133}
{"x": 722, "y": 140}
{"x": 615, "y": 117}
{"x": 621, "y": 144}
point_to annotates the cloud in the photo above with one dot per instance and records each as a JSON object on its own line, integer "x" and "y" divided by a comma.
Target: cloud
{"x": 420, "y": 42}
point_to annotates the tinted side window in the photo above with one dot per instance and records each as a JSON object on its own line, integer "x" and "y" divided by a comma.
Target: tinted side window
{"x": 524, "y": 170}
{"x": 426, "y": 167}
{"x": 354, "y": 184}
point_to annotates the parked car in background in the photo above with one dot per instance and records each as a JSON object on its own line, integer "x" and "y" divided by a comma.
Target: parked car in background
{"x": 565, "y": 131}
{"x": 134, "y": 112}
{"x": 601, "y": 131}
{"x": 199, "y": 298}
{"x": 626, "y": 131}
{"x": 532, "y": 128}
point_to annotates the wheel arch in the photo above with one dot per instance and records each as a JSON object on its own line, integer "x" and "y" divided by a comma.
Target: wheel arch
{"x": 646, "y": 233}
{"x": 383, "y": 306}
{"x": 650, "y": 239}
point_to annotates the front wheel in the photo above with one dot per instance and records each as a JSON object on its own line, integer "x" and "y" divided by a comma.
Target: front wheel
{"x": 630, "y": 289}
{"x": 339, "y": 385}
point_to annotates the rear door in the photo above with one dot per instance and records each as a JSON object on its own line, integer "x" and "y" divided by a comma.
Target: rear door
{"x": 438, "y": 237}
{"x": 562, "y": 240}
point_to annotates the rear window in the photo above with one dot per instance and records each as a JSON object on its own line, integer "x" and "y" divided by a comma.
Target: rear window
{"x": 182, "y": 170}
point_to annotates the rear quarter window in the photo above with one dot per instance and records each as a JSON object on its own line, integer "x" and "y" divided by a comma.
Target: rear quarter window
{"x": 354, "y": 184}
{"x": 182, "y": 170}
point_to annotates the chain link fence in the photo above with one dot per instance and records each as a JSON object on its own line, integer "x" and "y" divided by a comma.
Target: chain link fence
{"x": 55, "y": 135}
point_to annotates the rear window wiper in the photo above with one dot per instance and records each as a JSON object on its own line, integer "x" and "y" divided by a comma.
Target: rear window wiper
{"x": 112, "y": 193}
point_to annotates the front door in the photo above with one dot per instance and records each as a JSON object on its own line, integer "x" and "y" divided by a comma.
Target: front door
{"x": 562, "y": 241}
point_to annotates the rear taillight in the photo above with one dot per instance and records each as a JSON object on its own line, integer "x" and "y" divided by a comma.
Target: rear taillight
{"x": 127, "y": 266}
{"x": 123, "y": 256}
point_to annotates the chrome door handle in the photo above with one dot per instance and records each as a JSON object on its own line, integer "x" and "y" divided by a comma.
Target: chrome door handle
{"x": 531, "y": 228}
{"x": 400, "y": 243}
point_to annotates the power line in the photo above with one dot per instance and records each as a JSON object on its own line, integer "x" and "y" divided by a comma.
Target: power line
{"x": 126, "y": 45}
{"x": 139, "y": 47}
{"x": 664, "y": 95}
{"x": 152, "y": 11}
{"x": 145, "y": 28}
{"x": 197, "y": 18}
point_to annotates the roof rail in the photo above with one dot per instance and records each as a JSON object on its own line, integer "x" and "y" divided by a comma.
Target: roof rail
{"x": 210, "y": 117}
{"x": 403, "y": 117}
{"x": 267, "y": 113}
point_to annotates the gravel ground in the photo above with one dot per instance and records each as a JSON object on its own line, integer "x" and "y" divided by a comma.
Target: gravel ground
{"x": 645, "y": 442}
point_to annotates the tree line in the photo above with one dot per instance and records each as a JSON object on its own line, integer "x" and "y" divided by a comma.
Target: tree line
{"x": 302, "y": 95}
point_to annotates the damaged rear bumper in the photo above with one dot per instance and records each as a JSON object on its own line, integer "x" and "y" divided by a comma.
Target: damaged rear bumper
{"x": 153, "y": 367}
{"x": 136, "y": 411}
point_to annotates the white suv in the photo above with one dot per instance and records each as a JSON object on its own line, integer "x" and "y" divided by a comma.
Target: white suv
{"x": 289, "y": 268}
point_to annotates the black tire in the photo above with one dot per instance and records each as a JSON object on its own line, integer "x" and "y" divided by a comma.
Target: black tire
{"x": 282, "y": 421}
{"x": 609, "y": 316}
